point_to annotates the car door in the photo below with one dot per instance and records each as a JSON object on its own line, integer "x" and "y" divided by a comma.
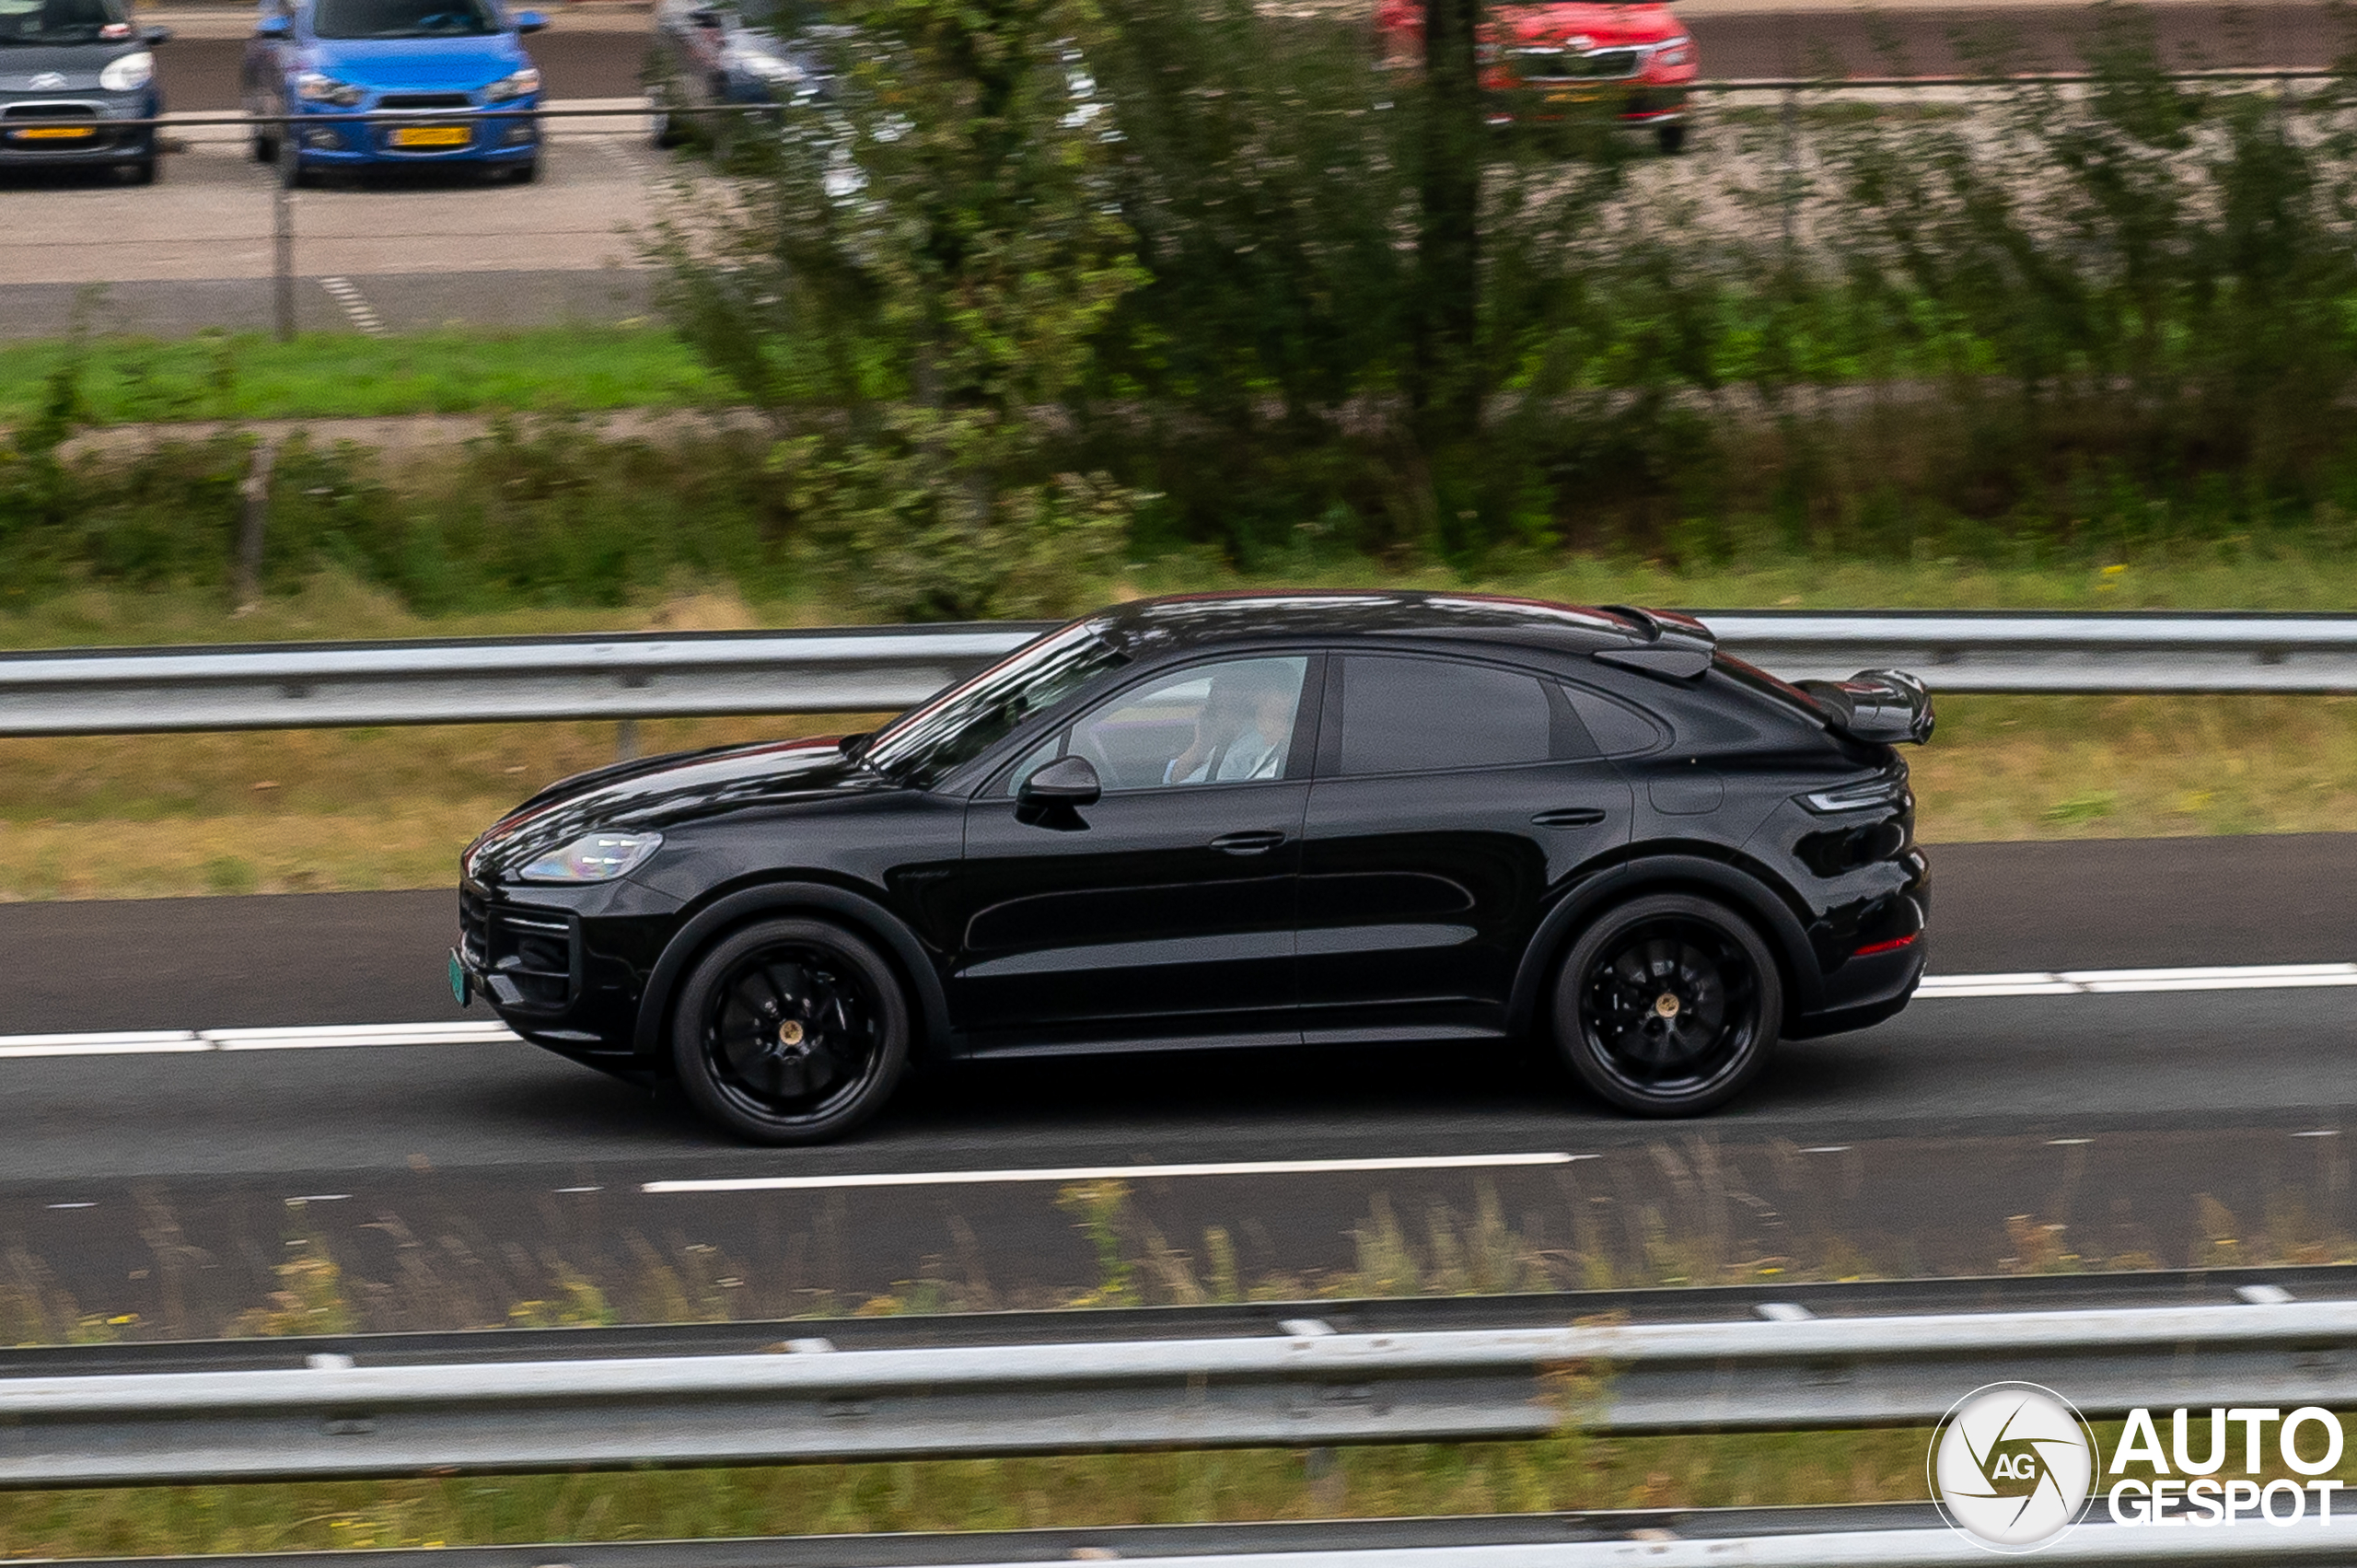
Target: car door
{"x": 1452, "y": 795}
{"x": 1162, "y": 915}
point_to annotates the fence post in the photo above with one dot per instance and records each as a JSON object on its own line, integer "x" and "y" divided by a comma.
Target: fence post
{"x": 1792, "y": 193}
{"x": 281, "y": 236}
{"x": 253, "y": 519}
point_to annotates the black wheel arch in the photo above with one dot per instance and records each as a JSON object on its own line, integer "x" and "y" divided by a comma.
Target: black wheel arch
{"x": 1748, "y": 891}
{"x": 861, "y": 913}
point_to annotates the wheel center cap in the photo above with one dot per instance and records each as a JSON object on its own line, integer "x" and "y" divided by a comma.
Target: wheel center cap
{"x": 1665, "y": 1004}
{"x": 790, "y": 1032}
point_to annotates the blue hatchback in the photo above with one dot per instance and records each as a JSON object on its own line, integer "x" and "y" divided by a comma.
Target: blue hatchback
{"x": 428, "y": 61}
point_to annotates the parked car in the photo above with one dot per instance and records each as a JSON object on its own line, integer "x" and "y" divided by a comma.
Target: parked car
{"x": 1195, "y": 824}
{"x": 430, "y": 61}
{"x": 64, "y": 60}
{"x": 1548, "y": 61}
{"x": 706, "y": 54}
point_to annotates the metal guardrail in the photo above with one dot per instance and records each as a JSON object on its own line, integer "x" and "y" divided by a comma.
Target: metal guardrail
{"x": 1853, "y": 1535}
{"x": 883, "y": 670}
{"x": 1306, "y": 1385}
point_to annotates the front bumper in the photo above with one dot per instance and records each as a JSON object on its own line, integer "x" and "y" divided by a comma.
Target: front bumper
{"x": 564, "y": 967}
{"x": 40, "y": 131}
{"x": 497, "y": 133}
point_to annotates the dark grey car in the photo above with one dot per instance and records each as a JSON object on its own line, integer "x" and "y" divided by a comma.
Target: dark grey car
{"x": 66, "y": 63}
{"x": 709, "y": 52}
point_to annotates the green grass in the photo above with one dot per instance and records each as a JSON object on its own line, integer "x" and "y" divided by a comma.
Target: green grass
{"x": 323, "y": 375}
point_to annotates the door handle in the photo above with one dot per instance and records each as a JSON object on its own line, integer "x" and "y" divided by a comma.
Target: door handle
{"x": 1257, "y": 842}
{"x": 1570, "y": 817}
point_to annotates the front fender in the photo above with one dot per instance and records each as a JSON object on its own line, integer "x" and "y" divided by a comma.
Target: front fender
{"x": 865, "y": 914}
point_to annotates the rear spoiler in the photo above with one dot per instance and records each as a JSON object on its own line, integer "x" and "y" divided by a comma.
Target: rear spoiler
{"x": 1887, "y": 706}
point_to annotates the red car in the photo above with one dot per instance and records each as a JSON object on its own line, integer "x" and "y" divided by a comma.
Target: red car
{"x": 1539, "y": 60}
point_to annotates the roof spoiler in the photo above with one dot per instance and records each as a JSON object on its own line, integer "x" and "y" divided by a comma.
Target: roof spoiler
{"x": 1671, "y": 644}
{"x": 1886, "y": 706}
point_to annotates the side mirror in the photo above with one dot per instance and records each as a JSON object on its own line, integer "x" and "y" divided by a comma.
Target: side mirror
{"x": 273, "y": 27}
{"x": 1068, "y": 782}
{"x": 529, "y": 21}
{"x": 154, "y": 36}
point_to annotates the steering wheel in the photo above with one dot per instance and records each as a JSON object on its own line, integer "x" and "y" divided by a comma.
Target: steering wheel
{"x": 1086, "y": 745}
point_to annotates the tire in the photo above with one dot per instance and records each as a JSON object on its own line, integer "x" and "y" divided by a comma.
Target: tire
{"x": 790, "y": 1032}
{"x": 1668, "y": 1005}
{"x": 141, "y": 173}
{"x": 1670, "y": 138}
{"x": 526, "y": 173}
{"x": 265, "y": 148}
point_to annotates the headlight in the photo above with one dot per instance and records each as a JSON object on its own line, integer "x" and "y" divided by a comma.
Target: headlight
{"x": 1677, "y": 51}
{"x": 769, "y": 68}
{"x": 318, "y": 89}
{"x": 593, "y": 857}
{"x": 521, "y": 84}
{"x": 129, "y": 74}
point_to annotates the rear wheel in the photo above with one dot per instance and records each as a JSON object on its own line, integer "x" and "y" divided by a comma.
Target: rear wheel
{"x": 791, "y": 1031}
{"x": 265, "y": 148}
{"x": 1671, "y": 138}
{"x": 1668, "y": 1005}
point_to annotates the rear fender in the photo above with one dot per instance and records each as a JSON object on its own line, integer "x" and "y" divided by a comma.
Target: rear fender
{"x": 1750, "y": 893}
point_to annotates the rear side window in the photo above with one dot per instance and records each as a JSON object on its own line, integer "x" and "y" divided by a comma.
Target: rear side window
{"x": 1412, "y": 716}
{"x": 1619, "y": 729}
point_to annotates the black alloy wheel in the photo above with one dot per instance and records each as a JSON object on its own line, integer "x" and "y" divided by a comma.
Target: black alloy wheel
{"x": 1668, "y": 1005}
{"x": 791, "y": 1031}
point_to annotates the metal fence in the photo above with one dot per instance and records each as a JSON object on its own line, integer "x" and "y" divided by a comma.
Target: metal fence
{"x": 883, "y": 670}
{"x": 340, "y": 1416}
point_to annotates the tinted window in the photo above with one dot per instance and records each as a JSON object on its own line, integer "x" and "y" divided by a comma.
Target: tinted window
{"x": 1227, "y": 723}
{"x": 1403, "y": 715}
{"x": 1617, "y": 730}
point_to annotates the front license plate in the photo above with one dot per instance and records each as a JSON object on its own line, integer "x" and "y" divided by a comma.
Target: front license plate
{"x": 459, "y": 981}
{"x": 431, "y": 136}
{"x": 54, "y": 134}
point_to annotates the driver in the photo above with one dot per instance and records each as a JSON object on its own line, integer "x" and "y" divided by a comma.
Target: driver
{"x": 1244, "y": 728}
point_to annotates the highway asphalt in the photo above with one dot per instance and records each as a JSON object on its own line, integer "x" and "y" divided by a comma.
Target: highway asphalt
{"x": 454, "y": 1180}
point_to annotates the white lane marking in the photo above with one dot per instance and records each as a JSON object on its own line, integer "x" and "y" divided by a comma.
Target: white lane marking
{"x": 1938, "y": 987}
{"x": 2102, "y": 982}
{"x": 355, "y": 305}
{"x": 177, "y": 1042}
{"x": 72, "y": 1205}
{"x": 1103, "y": 1173}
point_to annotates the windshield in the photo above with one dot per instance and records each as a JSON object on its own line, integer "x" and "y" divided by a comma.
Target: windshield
{"x": 785, "y": 17}
{"x": 62, "y": 21}
{"x": 923, "y": 746}
{"x": 401, "y": 18}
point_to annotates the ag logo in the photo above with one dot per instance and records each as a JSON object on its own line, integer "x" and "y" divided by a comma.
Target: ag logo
{"x": 2013, "y": 1465}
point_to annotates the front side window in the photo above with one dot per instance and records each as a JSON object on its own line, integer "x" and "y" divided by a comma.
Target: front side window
{"x": 1414, "y": 715}
{"x": 925, "y": 744}
{"x": 1227, "y": 723}
{"x": 403, "y": 18}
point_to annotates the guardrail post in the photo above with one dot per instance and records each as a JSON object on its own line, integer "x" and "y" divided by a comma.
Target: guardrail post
{"x": 282, "y": 236}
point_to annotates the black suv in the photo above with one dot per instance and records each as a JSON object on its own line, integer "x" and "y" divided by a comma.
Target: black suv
{"x": 1317, "y": 819}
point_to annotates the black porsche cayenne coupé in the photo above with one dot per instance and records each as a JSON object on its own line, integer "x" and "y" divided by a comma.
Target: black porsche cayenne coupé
{"x": 1330, "y": 818}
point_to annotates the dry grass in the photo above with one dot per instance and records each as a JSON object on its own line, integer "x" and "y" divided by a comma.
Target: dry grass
{"x": 318, "y": 810}
{"x": 119, "y": 816}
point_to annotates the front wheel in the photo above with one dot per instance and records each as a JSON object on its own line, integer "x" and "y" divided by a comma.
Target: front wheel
{"x": 1671, "y": 138}
{"x": 791, "y": 1031}
{"x": 1668, "y": 1005}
